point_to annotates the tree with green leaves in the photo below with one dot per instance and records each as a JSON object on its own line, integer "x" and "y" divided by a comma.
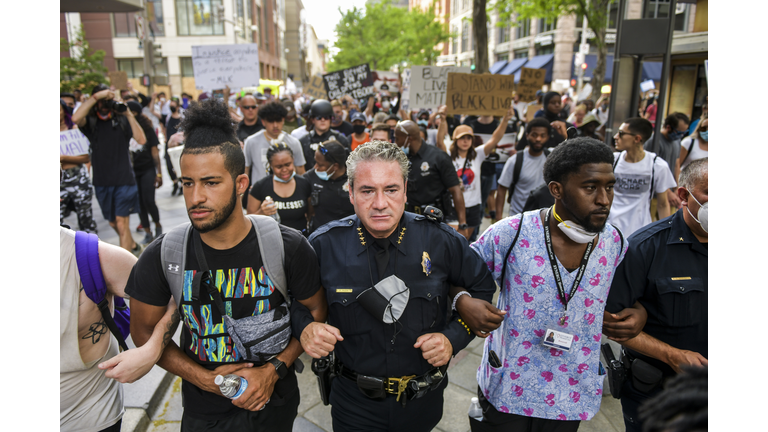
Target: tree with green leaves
{"x": 85, "y": 69}
{"x": 383, "y": 35}
{"x": 596, "y": 12}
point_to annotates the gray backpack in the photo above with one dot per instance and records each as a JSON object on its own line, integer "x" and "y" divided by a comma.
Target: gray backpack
{"x": 259, "y": 337}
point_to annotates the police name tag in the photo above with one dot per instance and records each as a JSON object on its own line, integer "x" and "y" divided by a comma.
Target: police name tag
{"x": 558, "y": 340}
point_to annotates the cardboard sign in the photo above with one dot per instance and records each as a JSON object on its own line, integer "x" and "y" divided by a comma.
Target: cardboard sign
{"x": 119, "y": 79}
{"x": 73, "y": 143}
{"x": 479, "y": 94}
{"x": 405, "y": 99}
{"x": 428, "y": 85}
{"x": 316, "y": 88}
{"x": 531, "y": 111}
{"x": 531, "y": 80}
{"x": 219, "y": 66}
{"x": 386, "y": 77}
{"x": 355, "y": 81}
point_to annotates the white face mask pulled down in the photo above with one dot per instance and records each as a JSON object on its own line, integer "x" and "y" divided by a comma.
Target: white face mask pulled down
{"x": 703, "y": 213}
{"x": 573, "y": 230}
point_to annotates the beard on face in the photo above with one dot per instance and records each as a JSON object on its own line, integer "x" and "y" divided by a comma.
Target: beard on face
{"x": 218, "y": 216}
{"x": 585, "y": 222}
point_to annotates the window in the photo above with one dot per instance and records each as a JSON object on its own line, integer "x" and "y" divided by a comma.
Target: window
{"x": 455, "y": 40}
{"x": 503, "y": 34}
{"x": 523, "y": 53}
{"x": 502, "y": 57}
{"x": 613, "y": 15}
{"x": 464, "y": 36}
{"x": 549, "y": 49}
{"x": 523, "y": 29}
{"x": 198, "y": 18}
{"x": 547, "y": 24}
{"x": 187, "y": 71}
{"x": 125, "y": 23}
{"x": 660, "y": 9}
{"x": 243, "y": 19}
{"x": 265, "y": 31}
{"x": 134, "y": 68}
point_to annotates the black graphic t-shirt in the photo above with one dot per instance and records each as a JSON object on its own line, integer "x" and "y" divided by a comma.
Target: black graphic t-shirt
{"x": 292, "y": 209}
{"x": 247, "y": 290}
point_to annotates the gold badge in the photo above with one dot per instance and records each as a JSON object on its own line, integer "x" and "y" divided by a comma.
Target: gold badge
{"x": 426, "y": 263}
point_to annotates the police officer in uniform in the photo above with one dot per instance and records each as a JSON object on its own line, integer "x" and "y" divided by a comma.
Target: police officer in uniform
{"x": 432, "y": 180}
{"x": 330, "y": 189}
{"x": 321, "y": 113}
{"x": 391, "y": 325}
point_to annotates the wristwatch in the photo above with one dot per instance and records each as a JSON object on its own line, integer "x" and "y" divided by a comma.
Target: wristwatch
{"x": 463, "y": 226}
{"x": 280, "y": 367}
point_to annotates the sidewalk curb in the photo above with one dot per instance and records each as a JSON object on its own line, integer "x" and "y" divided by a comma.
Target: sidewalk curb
{"x": 138, "y": 419}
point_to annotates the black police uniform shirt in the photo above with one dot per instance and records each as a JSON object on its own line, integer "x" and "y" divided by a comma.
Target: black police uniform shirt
{"x": 292, "y": 209}
{"x": 431, "y": 173}
{"x": 666, "y": 270}
{"x": 244, "y": 131}
{"x": 246, "y": 289}
{"x": 110, "y": 154}
{"x": 330, "y": 199}
{"x": 311, "y": 141}
{"x": 142, "y": 157}
{"x": 427, "y": 257}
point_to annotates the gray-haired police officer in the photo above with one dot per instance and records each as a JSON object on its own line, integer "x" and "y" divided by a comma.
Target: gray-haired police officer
{"x": 387, "y": 274}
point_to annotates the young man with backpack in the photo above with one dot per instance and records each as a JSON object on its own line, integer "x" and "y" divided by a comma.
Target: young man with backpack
{"x": 640, "y": 176}
{"x": 523, "y": 171}
{"x": 234, "y": 278}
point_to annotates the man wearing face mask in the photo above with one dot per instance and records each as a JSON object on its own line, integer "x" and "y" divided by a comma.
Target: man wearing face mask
{"x": 359, "y": 135}
{"x": 321, "y": 113}
{"x": 666, "y": 271}
{"x": 329, "y": 199}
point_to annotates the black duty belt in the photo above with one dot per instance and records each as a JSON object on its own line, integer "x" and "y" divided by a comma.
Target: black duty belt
{"x": 405, "y": 387}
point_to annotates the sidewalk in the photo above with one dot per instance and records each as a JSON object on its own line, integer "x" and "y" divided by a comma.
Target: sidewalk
{"x": 153, "y": 404}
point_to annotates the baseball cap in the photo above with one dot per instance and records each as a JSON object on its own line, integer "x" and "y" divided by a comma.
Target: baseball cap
{"x": 462, "y": 130}
{"x": 422, "y": 112}
{"x": 358, "y": 116}
{"x": 589, "y": 118}
{"x": 259, "y": 96}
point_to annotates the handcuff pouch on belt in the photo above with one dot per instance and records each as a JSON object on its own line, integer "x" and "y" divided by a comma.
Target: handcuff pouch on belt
{"x": 386, "y": 300}
{"x": 645, "y": 377}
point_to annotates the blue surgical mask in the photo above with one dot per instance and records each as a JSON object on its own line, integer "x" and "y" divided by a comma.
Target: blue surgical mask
{"x": 324, "y": 175}
{"x": 278, "y": 179}
{"x": 406, "y": 148}
{"x": 676, "y": 135}
{"x": 704, "y": 135}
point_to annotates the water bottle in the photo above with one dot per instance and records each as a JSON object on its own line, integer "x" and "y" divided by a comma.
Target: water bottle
{"x": 475, "y": 411}
{"x": 268, "y": 201}
{"x": 232, "y": 386}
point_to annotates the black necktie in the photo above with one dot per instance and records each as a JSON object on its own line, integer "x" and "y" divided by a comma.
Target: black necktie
{"x": 382, "y": 255}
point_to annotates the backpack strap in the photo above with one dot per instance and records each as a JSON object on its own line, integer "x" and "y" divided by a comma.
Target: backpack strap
{"x": 653, "y": 174}
{"x": 616, "y": 161}
{"x": 89, "y": 268}
{"x": 173, "y": 258}
{"x": 509, "y": 251}
{"x": 516, "y": 173}
{"x": 270, "y": 238}
{"x": 689, "y": 152}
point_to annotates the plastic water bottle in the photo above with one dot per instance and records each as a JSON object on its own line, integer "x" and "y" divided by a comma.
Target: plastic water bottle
{"x": 232, "y": 386}
{"x": 475, "y": 411}
{"x": 268, "y": 201}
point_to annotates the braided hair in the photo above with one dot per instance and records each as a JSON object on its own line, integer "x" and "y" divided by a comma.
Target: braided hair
{"x": 273, "y": 150}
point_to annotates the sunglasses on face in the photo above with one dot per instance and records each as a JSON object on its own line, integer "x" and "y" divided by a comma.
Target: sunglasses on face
{"x": 322, "y": 118}
{"x": 622, "y": 133}
{"x": 250, "y": 107}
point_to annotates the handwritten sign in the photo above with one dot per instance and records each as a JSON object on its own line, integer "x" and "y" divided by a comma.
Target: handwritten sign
{"x": 531, "y": 80}
{"x": 119, "y": 80}
{"x": 219, "y": 66}
{"x": 316, "y": 88}
{"x": 355, "y": 81}
{"x": 73, "y": 143}
{"x": 405, "y": 101}
{"x": 479, "y": 94}
{"x": 428, "y": 85}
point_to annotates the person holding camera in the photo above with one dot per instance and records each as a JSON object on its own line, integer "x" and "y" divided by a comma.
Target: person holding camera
{"x": 109, "y": 125}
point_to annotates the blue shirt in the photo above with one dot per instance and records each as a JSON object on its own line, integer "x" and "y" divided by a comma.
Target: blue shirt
{"x": 534, "y": 380}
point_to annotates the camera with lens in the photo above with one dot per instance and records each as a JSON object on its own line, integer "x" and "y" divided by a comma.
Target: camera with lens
{"x": 116, "y": 106}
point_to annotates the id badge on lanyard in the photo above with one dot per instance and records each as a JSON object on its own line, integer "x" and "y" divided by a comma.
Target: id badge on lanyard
{"x": 556, "y": 337}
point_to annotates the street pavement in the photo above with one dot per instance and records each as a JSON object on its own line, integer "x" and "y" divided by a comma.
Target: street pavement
{"x": 153, "y": 404}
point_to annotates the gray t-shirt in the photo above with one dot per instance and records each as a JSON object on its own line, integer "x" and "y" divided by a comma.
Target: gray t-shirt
{"x": 256, "y": 147}
{"x": 531, "y": 177}
{"x": 665, "y": 149}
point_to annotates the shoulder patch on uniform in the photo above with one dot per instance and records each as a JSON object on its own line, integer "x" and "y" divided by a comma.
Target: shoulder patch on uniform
{"x": 348, "y": 222}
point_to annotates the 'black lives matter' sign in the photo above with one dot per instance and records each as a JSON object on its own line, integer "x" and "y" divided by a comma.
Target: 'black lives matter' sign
{"x": 355, "y": 81}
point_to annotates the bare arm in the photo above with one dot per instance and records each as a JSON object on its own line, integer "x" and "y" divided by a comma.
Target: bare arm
{"x": 369, "y": 107}
{"x": 116, "y": 265}
{"x": 79, "y": 116}
{"x": 501, "y": 196}
{"x": 458, "y": 203}
{"x": 138, "y": 132}
{"x": 81, "y": 159}
{"x": 442, "y": 130}
{"x": 675, "y": 358}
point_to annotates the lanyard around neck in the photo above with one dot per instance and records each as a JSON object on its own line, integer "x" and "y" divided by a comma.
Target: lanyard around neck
{"x": 556, "y": 270}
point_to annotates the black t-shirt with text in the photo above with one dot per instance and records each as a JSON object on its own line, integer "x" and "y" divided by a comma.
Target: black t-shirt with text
{"x": 247, "y": 290}
{"x": 292, "y": 209}
{"x": 110, "y": 156}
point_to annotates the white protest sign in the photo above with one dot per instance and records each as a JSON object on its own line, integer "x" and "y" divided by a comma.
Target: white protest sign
{"x": 429, "y": 84}
{"x": 405, "y": 101}
{"x": 73, "y": 143}
{"x": 647, "y": 85}
{"x": 219, "y": 66}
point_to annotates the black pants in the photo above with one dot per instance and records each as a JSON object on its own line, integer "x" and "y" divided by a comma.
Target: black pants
{"x": 145, "y": 181}
{"x": 631, "y": 399}
{"x": 169, "y": 166}
{"x": 495, "y": 421}
{"x": 271, "y": 418}
{"x": 353, "y": 411}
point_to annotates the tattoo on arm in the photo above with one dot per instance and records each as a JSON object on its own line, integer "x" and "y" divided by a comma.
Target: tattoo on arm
{"x": 95, "y": 331}
{"x": 169, "y": 329}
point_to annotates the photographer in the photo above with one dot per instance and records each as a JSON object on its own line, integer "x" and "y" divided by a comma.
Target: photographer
{"x": 109, "y": 126}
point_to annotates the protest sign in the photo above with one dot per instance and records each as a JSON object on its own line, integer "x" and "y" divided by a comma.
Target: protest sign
{"x": 219, "y": 66}
{"x": 73, "y": 143}
{"x": 405, "y": 99}
{"x": 479, "y": 94}
{"x": 428, "y": 85}
{"x": 118, "y": 79}
{"x": 504, "y": 148}
{"x": 531, "y": 80}
{"x": 386, "y": 77}
{"x": 316, "y": 88}
{"x": 355, "y": 81}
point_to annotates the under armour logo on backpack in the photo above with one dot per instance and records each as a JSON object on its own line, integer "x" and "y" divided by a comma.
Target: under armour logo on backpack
{"x": 172, "y": 267}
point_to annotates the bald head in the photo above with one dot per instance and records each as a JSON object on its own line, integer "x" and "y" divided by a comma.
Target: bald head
{"x": 409, "y": 128}
{"x": 249, "y": 108}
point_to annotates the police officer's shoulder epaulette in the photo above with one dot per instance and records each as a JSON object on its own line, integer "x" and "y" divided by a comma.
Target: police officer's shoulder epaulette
{"x": 442, "y": 226}
{"x": 348, "y": 222}
{"x": 649, "y": 231}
